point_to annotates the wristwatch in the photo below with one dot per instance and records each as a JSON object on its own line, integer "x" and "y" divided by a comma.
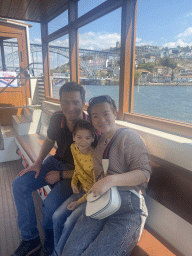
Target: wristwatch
{"x": 61, "y": 175}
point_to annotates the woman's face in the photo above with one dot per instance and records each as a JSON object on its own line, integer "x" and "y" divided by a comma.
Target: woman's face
{"x": 103, "y": 117}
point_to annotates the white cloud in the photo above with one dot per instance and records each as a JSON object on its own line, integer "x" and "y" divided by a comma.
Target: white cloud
{"x": 98, "y": 41}
{"x": 179, "y": 42}
{"x": 64, "y": 43}
{"x": 38, "y": 40}
{"x": 186, "y": 33}
{"x": 138, "y": 39}
{"x": 190, "y": 14}
{"x": 140, "y": 43}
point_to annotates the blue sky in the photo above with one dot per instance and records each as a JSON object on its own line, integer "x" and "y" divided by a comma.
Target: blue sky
{"x": 162, "y": 23}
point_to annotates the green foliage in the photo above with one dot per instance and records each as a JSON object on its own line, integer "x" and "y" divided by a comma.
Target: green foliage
{"x": 137, "y": 75}
{"x": 147, "y": 66}
{"x": 165, "y": 61}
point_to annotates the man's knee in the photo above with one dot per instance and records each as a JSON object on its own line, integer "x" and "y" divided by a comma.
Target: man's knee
{"x": 17, "y": 185}
{"x": 21, "y": 183}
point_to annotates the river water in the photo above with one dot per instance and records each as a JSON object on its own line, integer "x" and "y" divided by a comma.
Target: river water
{"x": 170, "y": 102}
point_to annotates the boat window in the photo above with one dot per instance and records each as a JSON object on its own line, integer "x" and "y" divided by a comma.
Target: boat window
{"x": 163, "y": 61}
{"x": 10, "y": 66}
{"x": 11, "y": 54}
{"x": 85, "y": 6}
{"x": 59, "y": 64}
{"x": 59, "y": 22}
{"x": 99, "y": 56}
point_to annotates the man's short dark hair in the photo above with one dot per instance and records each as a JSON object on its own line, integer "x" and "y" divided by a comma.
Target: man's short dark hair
{"x": 73, "y": 87}
{"x": 83, "y": 125}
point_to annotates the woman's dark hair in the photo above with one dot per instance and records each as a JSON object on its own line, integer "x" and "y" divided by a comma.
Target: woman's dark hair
{"x": 72, "y": 87}
{"x": 100, "y": 99}
{"x": 83, "y": 125}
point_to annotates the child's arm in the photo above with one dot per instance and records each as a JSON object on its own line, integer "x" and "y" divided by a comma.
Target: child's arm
{"x": 75, "y": 189}
{"x": 74, "y": 183}
{"x": 73, "y": 205}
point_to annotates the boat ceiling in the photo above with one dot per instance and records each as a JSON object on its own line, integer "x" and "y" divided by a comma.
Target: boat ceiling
{"x": 33, "y": 10}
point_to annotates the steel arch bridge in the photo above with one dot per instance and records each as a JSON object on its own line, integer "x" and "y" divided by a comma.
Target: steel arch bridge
{"x": 64, "y": 51}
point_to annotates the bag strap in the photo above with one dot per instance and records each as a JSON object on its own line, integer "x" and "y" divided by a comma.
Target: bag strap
{"x": 107, "y": 149}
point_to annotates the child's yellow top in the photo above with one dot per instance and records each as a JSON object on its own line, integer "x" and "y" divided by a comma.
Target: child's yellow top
{"x": 83, "y": 171}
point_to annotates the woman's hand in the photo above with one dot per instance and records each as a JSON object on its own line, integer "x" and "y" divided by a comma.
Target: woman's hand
{"x": 101, "y": 186}
{"x": 75, "y": 189}
{"x": 73, "y": 205}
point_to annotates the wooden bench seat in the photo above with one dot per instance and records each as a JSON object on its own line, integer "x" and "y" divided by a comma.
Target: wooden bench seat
{"x": 148, "y": 244}
{"x": 31, "y": 144}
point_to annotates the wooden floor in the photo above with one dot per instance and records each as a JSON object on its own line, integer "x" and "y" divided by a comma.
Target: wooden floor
{"x": 9, "y": 232}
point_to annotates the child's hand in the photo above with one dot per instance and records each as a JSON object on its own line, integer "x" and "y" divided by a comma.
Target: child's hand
{"x": 73, "y": 205}
{"x": 75, "y": 189}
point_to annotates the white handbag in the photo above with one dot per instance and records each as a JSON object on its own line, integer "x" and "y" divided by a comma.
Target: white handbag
{"x": 100, "y": 207}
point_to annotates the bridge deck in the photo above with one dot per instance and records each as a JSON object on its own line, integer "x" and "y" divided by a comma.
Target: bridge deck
{"x": 10, "y": 235}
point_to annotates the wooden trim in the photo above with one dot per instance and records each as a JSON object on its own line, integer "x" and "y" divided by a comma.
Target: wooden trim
{"x": 73, "y": 43}
{"x": 96, "y": 13}
{"x": 45, "y": 56}
{"x": 54, "y": 100}
{"x": 166, "y": 125}
{"x": 3, "y": 55}
{"x": 127, "y": 59}
{"x": 59, "y": 33}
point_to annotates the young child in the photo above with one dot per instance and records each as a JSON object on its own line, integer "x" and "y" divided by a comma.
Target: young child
{"x": 68, "y": 213}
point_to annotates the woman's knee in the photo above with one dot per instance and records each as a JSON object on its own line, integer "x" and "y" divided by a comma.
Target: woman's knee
{"x": 56, "y": 218}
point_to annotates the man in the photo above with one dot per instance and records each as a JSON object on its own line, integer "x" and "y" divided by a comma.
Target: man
{"x": 55, "y": 169}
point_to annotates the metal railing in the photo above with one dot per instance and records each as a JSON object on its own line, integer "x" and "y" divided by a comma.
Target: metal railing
{"x": 26, "y": 72}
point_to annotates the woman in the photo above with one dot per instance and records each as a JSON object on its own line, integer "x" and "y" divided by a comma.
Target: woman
{"x": 128, "y": 170}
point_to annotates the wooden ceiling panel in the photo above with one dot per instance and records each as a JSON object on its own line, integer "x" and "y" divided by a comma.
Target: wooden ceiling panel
{"x": 35, "y": 15}
{"x": 24, "y": 6}
{"x": 5, "y": 8}
{"x": 32, "y": 10}
{"x": 13, "y": 8}
{"x": 55, "y": 7}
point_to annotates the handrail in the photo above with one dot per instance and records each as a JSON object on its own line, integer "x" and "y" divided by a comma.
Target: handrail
{"x": 24, "y": 71}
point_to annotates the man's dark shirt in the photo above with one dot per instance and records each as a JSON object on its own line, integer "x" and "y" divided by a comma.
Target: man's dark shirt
{"x": 61, "y": 134}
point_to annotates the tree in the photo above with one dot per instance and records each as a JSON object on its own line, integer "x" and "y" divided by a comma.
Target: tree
{"x": 165, "y": 61}
{"x": 148, "y": 66}
{"x": 137, "y": 75}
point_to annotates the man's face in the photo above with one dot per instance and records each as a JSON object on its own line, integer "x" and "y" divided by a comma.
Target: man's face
{"x": 72, "y": 105}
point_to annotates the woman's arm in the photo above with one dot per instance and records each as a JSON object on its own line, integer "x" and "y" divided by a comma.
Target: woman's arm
{"x": 132, "y": 178}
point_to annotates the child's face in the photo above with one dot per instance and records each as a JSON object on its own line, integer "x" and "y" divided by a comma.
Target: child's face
{"x": 83, "y": 139}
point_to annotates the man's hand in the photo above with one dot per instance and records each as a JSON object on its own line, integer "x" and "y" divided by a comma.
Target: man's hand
{"x": 52, "y": 177}
{"x": 36, "y": 167}
{"x": 75, "y": 189}
{"x": 73, "y": 205}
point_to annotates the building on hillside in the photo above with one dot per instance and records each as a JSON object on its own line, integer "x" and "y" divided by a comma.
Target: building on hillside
{"x": 146, "y": 49}
{"x": 183, "y": 79}
{"x": 144, "y": 78}
{"x": 163, "y": 70}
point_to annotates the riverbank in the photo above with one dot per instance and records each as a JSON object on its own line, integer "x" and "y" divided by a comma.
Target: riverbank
{"x": 164, "y": 84}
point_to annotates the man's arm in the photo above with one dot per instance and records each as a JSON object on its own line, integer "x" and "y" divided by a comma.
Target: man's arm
{"x": 36, "y": 167}
{"x": 45, "y": 149}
